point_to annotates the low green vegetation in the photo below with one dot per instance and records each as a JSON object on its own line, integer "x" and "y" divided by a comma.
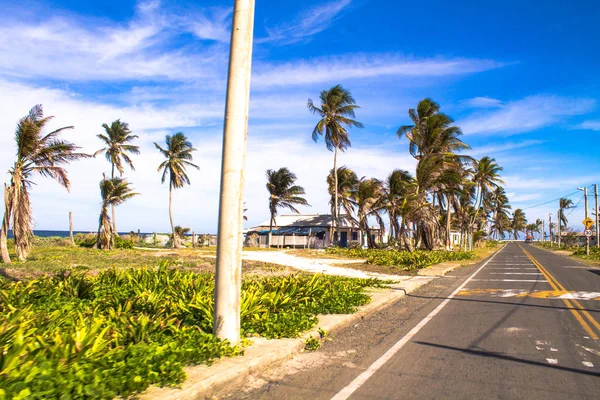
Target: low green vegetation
{"x": 76, "y": 335}
{"x": 594, "y": 253}
{"x": 407, "y": 260}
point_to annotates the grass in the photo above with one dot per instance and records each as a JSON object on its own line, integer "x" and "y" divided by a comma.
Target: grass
{"x": 52, "y": 256}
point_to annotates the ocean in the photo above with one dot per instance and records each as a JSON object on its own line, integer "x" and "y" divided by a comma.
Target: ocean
{"x": 64, "y": 234}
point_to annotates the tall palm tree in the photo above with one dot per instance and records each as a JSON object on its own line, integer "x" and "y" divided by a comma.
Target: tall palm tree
{"x": 178, "y": 154}
{"x": 368, "y": 202}
{"x": 486, "y": 177}
{"x": 531, "y": 228}
{"x": 117, "y": 144}
{"x": 500, "y": 212}
{"x": 346, "y": 183}
{"x": 395, "y": 190}
{"x": 39, "y": 153}
{"x": 564, "y": 204}
{"x": 519, "y": 222}
{"x": 114, "y": 191}
{"x": 283, "y": 193}
{"x": 337, "y": 114}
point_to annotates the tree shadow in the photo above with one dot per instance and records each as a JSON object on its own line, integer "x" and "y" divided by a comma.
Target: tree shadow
{"x": 504, "y": 357}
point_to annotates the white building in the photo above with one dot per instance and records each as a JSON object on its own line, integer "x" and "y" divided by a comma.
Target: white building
{"x": 308, "y": 231}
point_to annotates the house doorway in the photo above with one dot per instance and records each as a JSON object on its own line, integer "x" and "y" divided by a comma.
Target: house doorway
{"x": 344, "y": 239}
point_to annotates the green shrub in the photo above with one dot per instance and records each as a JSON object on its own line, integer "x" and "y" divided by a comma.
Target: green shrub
{"x": 85, "y": 239}
{"x": 123, "y": 243}
{"x": 115, "y": 333}
{"x": 408, "y": 260}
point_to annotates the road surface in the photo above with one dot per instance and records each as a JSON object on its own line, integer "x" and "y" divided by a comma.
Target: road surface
{"x": 523, "y": 324}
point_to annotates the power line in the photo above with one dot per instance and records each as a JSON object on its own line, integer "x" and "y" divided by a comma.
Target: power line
{"x": 576, "y": 205}
{"x": 551, "y": 201}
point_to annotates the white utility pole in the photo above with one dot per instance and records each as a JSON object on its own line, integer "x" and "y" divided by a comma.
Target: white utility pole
{"x": 228, "y": 280}
{"x": 597, "y": 217}
{"x": 558, "y": 226}
{"x": 550, "y": 227}
{"x": 543, "y": 230}
{"x": 585, "y": 205}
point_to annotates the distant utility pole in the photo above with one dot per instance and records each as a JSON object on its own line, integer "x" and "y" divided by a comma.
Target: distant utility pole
{"x": 597, "y": 217}
{"x": 228, "y": 279}
{"x": 543, "y": 230}
{"x": 558, "y": 226}
{"x": 550, "y": 227}
{"x": 71, "y": 228}
{"x": 585, "y": 205}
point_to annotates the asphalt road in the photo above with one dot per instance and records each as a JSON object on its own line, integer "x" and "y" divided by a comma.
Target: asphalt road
{"x": 523, "y": 324}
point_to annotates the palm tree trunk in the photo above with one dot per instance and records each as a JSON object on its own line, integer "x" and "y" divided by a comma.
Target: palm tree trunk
{"x": 334, "y": 218}
{"x": 271, "y": 229}
{"x": 112, "y": 206}
{"x": 174, "y": 241}
{"x": 4, "y": 227}
{"x": 391, "y": 233}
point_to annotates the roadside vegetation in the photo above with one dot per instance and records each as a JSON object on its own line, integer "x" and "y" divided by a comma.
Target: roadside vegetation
{"x": 115, "y": 333}
{"x": 406, "y": 260}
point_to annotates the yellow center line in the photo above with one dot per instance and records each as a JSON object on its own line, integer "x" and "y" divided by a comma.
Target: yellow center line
{"x": 575, "y": 310}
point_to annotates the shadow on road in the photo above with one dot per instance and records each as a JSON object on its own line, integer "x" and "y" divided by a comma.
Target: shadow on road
{"x": 508, "y": 358}
{"x": 507, "y": 303}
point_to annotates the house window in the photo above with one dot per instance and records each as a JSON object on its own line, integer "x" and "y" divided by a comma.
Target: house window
{"x": 354, "y": 235}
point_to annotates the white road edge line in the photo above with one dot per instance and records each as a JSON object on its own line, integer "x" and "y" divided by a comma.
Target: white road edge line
{"x": 363, "y": 377}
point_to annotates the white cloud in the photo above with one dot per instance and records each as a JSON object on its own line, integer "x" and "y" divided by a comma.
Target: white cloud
{"x": 357, "y": 66}
{"x": 492, "y": 150}
{"x": 195, "y": 206}
{"x": 214, "y": 24}
{"x": 525, "y": 115}
{"x": 521, "y": 197}
{"x": 307, "y": 24}
{"x": 483, "y": 102}
{"x": 593, "y": 125}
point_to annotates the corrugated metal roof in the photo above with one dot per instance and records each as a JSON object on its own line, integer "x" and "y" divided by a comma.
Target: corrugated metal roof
{"x": 314, "y": 220}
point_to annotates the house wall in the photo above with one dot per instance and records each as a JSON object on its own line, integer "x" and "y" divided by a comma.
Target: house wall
{"x": 313, "y": 242}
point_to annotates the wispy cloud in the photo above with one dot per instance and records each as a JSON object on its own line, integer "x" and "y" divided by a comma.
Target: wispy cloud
{"x": 526, "y": 115}
{"x": 356, "y": 66}
{"x": 214, "y": 24}
{"x": 482, "y": 102}
{"x": 593, "y": 125}
{"x": 522, "y": 197}
{"x": 500, "y": 148}
{"x": 307, "y": 24}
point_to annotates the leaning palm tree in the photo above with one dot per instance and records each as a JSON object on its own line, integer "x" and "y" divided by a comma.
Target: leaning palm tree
{"x": 117, "y": 141}
{"x": 368, "y": 202}
{"x": 519, "y": 222}
{"x": 531, "y": 228}
{"x": 539, "y": 223}
{"x": 283, "y": 193}
{"x": 564, "y": 204}
{"x": 336, "y": 113}
{"x": 395, "y": 190}
{"x": 500, "y": 211}
{"x": 178, "y": 154}
{"x": 114, "y": 191}
{"x": 346, "y": 183}
{"x": 39, "y": 153}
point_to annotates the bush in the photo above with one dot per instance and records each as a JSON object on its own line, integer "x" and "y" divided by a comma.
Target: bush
{"x": 409, "y": 260}
{"x": 114, "y": 334}
{"x": 123, "y": 243}
{"x": 85, "y": 239}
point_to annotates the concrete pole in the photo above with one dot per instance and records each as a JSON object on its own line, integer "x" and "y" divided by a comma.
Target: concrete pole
{"x": 228, "y": 278}
{"x": 71, "y": 228}
{"x": 550, "y": 227}
{"x": 558, "y": 226}
{"x": 543, "y": 231}
{"x": 597, "y": 217}
{"x": 585, "y": 205}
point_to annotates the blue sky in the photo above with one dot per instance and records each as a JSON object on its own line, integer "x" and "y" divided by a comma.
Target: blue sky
{"x": 520, "y": 78}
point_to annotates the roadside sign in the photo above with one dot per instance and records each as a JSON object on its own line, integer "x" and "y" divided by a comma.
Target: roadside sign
{"x": 588, "y": 232}
{"x": 588, "y": 222}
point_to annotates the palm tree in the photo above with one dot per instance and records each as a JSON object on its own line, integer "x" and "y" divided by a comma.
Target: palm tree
{"x": 396, "y": 189}
{"x": 337, "y": 114}
{"x": 519, "y": 222}
{"x": 539, "y": 224}
{"x": 117, "y": 139}
{"x": 500, "y": 212}
{"x": 368, "y": 203}
{"x": 114, "y": 191}
{"x": 531, "y": 228}
{"x": 564, "y": 204}
{"x": 178, "y": 154}
{"x": 283, "y": 193}
{"x": 486, "y": 177}
{"x": 36, "y": 153}
{"x": 346, "y": 183}
{"x": 181, "y": 232}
